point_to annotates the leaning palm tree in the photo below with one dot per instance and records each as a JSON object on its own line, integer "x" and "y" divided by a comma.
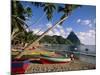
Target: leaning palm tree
{"x": 67, "y": 10}
{"x": 19, "y": 14}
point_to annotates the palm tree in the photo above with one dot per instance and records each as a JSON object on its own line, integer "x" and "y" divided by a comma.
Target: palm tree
{"x": 49, "y": 8}
{"x": 19, "y": 14}
{"x": 67, "y": 10}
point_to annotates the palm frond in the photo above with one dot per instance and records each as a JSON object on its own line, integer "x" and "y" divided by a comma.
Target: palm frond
{"x": 63, "y": 16}
{"x": 60, "y": 9}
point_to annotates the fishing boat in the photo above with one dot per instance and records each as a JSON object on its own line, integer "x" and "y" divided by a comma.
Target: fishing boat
{"x": 54, "y": 59}
{"x": 18, "y": 67}
{"x": 57, "y": 59}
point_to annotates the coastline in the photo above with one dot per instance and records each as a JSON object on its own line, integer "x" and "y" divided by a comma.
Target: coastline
{"x": 71, "y": 66}
{"x": 74, "y": 65}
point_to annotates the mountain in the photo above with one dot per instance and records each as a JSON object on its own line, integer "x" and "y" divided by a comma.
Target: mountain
{"x": 55, "y": 40}
{"x": 72, "y": 37}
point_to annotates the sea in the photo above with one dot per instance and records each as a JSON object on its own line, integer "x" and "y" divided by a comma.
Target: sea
{"x": 86, "y": 53}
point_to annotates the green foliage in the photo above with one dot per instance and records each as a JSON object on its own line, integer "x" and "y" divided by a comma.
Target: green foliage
{"x": 72, "y": 39}
{"x": 20, "y": 11}
{"x": 48, "y": 8}
{"x": 54, "y": 40}
{"x": 66, "y": 10}
{"x": 19, "y": 14}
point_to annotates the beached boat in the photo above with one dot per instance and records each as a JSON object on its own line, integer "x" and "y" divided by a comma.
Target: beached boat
{"x": 19, "y": 67}
{"x": 54, "y": 59}
{"x": 57, "y": 59}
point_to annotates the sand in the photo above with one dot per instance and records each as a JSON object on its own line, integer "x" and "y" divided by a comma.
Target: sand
{"x": 42, "y": 68}
{"x": 71, "y": 66}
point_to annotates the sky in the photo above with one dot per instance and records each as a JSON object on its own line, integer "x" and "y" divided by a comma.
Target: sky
{"x": 82, "y": 21}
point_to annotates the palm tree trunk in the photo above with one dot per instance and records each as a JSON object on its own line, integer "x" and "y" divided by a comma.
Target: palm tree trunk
{"x": 36, "y": 41}
{"x": 15, "y": 10}
{"x": 13, "y": 33}
{"x": 14, "y": 36}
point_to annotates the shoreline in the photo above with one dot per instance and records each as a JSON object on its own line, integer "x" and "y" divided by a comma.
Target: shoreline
{"x": 74, "y": 65}
{"x": 71, "y": 66}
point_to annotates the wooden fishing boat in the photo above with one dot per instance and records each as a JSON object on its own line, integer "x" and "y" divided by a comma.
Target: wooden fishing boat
{"x": 18, "y": 67}
{"x": 46, "y": 59}
{"x": 56, "y": 59}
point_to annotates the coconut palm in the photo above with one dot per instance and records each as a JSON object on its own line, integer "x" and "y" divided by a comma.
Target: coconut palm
{"x": 49, "y": 8}
{"x": 67, "y": 10}
{"x": 19, "y": 14}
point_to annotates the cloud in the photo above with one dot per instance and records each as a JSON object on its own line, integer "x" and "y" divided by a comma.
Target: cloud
{"x": 56, "y": 32}
{"x": 87, "y": 38}
{"x": 64, "y": 32}
{"x": 69, "y": 29}
{"x": 79, "y": 20}
{"x": 59, "y": 26}
{"x": 49, "y": 25}
{"x": 61, "y": 30}
{"x": 90, "y": 25}
{"x": 37, "y": 31}
{"x": 94, "y": 21}
{"x": 86, "y": 22}
{"x": 50, "y": 33}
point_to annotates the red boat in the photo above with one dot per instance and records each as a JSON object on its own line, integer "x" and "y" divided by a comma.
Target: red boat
{"x": 19, "y": 67}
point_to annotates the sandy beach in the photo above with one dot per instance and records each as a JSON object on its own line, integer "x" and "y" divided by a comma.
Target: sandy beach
{"x": 57, "y": 67}
{"x": 71, "y": 66}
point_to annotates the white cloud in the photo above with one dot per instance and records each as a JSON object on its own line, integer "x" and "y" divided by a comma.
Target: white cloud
{"x": 37, "y": 31}
{"x": 86, "y": 22}
{"x": 62, "y": 32}
{"x": 59, "y": 30}
{"x": 27, "y": 30}
{"x": 59, "y": 26}
{"x": 69, "y": 29}
{"x": 92, "y": 31}
{"x": 87, "y": 38}
{"x": 79, "y": 20}
{"x": 49, "y": 25}
{"x": 56, "y": 32}
{"x": 50, "y": 33}
{"x": 94, "y": 21}
{"x": 90, "y": 25}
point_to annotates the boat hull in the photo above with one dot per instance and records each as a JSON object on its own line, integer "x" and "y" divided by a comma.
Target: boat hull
{"x": 55, "y": 60}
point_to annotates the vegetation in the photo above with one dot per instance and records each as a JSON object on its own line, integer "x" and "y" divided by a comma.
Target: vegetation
{"x": 19, "y": 35}
{"x": 67, "y": 10}
{"x": 19, "y": 27}
{"x": 72, "y": 39}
